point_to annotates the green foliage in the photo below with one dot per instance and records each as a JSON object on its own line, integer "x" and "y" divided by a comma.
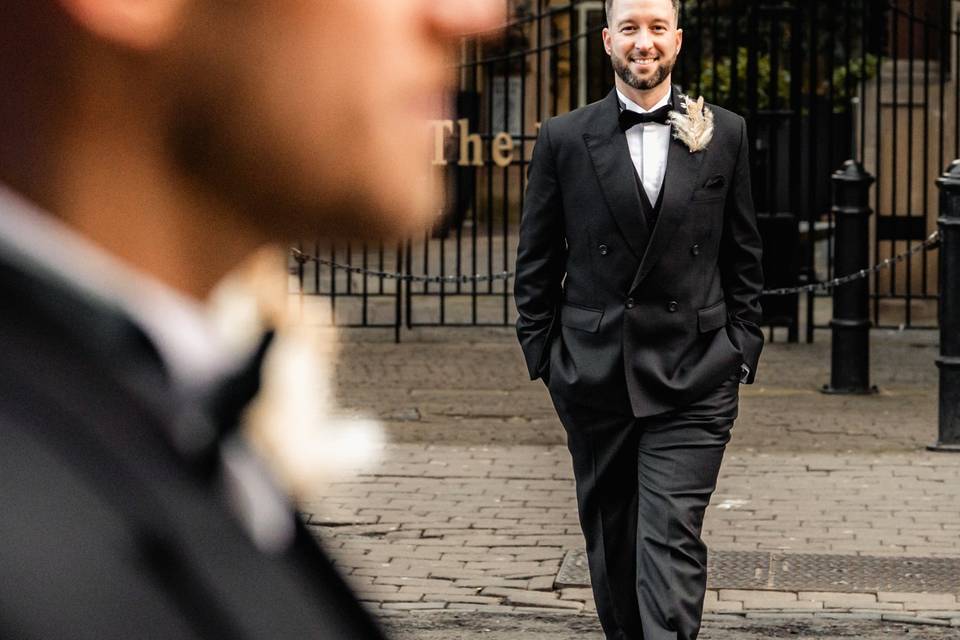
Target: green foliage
{"x": 724, "y": 80}
{"x": 854, "y": 73}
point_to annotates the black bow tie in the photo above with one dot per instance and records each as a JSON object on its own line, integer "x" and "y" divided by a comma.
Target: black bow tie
{"x": 210, "y": 415}
{"x": 629, "y": 118}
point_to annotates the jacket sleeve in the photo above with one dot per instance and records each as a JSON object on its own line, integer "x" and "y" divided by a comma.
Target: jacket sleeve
{"x": 740, "y": 262}
{"x": 541, "y": 256}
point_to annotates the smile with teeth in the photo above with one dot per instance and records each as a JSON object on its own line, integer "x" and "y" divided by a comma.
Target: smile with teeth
{"x": 644, "y": 61}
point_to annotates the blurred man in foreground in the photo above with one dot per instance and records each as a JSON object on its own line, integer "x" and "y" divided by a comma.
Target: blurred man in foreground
{"x": 146, "y": 149}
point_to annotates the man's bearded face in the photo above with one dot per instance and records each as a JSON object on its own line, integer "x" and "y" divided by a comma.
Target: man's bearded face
{"x": 643, "y": 41}
{"x": 660, "y": 72}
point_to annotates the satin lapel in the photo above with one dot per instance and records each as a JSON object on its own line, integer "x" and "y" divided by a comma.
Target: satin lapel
{"x": 679, "y": 181}
{"x": 608, "y": 150}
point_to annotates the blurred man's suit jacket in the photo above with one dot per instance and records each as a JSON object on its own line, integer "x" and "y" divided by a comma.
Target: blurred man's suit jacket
{"x": 115, "y": 523}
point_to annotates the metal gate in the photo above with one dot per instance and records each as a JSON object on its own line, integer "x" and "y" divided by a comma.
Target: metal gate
{"x": 819, "y": 81}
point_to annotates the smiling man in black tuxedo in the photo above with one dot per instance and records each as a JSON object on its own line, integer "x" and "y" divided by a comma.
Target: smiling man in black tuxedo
{"x": 638, "y": 286}
{"x": 147, "y": 148}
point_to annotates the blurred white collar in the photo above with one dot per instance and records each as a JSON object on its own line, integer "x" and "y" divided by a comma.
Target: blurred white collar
{"x": 182, "y": 329}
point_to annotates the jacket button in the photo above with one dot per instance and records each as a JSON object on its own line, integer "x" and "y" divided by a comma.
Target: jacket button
{"x": 695, "y": 249}
{"x": 672, "y": 306}
{"x": 603, "y": 249}
{"x": 629, "y": 303}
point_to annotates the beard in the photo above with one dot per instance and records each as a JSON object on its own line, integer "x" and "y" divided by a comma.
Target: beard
{"x": 622, "y": 68}
{"x": 249, "y": 171}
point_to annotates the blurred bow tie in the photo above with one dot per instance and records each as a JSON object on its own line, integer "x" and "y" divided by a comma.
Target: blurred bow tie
{"x": 236, "y": 391}
{"x": 630, "y": 119}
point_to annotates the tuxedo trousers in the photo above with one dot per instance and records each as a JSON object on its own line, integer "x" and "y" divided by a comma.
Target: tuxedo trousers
{"x": 643, "y": 485}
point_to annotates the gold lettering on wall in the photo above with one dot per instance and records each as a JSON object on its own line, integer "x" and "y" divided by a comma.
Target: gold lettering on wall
{"x": 471, "y": 144}
{"x": 502, "y": 146}
{"x": 440, "y": 127}
{"x": 502, "y": 149}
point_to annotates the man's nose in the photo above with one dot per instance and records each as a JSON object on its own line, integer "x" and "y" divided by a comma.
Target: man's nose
{"x": 456, "y": 18}
{"x": 644, "y": 40}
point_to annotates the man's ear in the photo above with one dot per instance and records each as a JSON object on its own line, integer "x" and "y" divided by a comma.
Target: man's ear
{"x": 679, "y": 40}
{"x": 606, "y": 40}
{"x": 138, "y": 24}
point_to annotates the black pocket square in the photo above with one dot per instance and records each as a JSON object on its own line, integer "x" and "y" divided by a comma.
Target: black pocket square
{"x": 714, "y": 183}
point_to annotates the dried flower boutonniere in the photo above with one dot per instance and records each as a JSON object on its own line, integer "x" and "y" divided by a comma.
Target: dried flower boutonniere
{"x": 694, "y": 128}
{"x": 293, "y": 423}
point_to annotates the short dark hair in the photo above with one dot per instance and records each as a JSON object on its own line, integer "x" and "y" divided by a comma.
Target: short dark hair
{"x": 608, "y": 7}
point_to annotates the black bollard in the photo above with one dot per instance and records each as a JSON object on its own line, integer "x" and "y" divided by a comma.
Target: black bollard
{"x": 949, "y": 360}
{"x": 850, "y": 352}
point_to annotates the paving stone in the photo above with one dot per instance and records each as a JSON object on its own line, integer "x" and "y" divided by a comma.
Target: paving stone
{"x": 920, "y": 600}
{"x": 724, "y": 606}
{"x": 849, "y": 615}
{"x": 573, "y": 593}
{"x": 503, "y": 592}
{"x": 447, "y": 573}
{"x": 541, "y": 583}
{"x": 899, "y": 617}
{"x": 948, "y": 613}
{"x": 532, "y": 598}
{"x": 763, "y": 604}
{"x": 772, "y": 597}
{"x": 418, "y": 592}
{"x": 878, "y": 606}
{"x": 414, "y": 606}
{"x": 492, "y": 608}
{"x": 507, "y": 567}
{"x": 383, "y": 597}
{"x": 720, "y": 617}
{"x": 539, "y": 554}
{"x": 471, "y": 600}
{"x": 550, "y": 610}
{"x": 546, "y": 572}
{"x": 398, "y": 581}
{"x": 832, "y": 600}
{"x": 378, "y": 588}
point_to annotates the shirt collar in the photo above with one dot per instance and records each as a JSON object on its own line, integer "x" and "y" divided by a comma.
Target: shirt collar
{"x": 180, "y": 327}
{"x": 627, "y": 103}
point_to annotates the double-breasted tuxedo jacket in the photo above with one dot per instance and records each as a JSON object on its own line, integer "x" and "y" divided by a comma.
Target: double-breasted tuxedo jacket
{"x": 110, "y": 530}
{"x": 617, "y": 314}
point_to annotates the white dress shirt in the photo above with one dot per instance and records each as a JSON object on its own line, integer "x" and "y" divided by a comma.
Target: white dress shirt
{"x": 190, "y": 341}
{"x": 649, "y": 144}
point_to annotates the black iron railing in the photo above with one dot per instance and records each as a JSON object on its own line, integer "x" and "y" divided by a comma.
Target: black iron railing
{"x": 819, "y": 81}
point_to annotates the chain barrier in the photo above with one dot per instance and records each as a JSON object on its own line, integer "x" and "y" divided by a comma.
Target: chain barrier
{"x": 303, "y": 258}
{"x": 932, "y": 242}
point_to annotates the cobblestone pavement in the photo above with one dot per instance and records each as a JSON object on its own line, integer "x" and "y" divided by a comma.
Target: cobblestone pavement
{"x": 486, "y": 528}
{"x": 473, "y": 507}
{"x": 557, "y": 626}
{"x": 471, "y": 387}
